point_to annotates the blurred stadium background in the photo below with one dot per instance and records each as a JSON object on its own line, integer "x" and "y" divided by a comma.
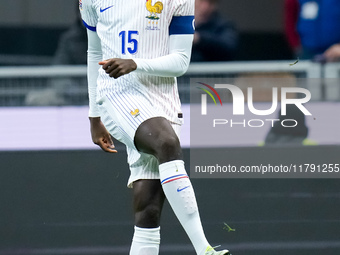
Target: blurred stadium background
{"x": 59, "y": 194}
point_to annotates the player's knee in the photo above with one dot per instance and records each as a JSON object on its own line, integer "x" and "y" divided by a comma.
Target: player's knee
{"x": 169, "y": 149}
{"x": 169, "y": 144}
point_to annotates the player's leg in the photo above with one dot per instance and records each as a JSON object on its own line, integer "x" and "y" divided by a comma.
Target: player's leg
{"x": 148, "y": 196}
{"x": 148, "y": 200}
{"x": 156, "y": 136}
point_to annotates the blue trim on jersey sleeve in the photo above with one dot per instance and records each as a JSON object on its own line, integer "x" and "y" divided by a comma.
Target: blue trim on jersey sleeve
{"x": 181, "y": 25}
{"x": 94, "y": 29}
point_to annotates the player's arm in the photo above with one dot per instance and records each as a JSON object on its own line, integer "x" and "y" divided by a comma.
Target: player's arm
{"x": 174, "y": 64}
{"x": 99, "y": 134}
{"x": 94, "y": 55}
{"x": 94, "y": 52}
{"x": 116, "y": 67}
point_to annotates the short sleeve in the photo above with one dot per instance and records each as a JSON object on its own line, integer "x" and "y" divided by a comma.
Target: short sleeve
{"x": 88, "y": 14}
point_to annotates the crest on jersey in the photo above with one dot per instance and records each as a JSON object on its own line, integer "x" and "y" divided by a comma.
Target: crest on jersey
{"x": 154, "y": 11}
{"x": 80, "y": 5}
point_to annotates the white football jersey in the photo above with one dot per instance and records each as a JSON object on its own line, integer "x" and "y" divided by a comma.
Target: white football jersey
{"x": 137, "y": 29}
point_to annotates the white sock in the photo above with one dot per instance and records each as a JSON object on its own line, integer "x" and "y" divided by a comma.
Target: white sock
{"x": 145, "y": 241}
{"x": 180, "y": 194}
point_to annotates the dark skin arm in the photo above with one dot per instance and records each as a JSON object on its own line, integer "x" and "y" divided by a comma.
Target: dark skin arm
{"x": 116, "y": 67}
{"x": 101, "y": 136}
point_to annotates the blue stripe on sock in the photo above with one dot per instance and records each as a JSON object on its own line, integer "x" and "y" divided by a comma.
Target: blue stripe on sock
{"x": 173, "y": 177}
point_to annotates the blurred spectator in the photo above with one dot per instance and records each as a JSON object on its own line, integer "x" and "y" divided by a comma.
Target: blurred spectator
{"x": 313, "y": 28}
{"x": 72, "y": 46}
{"x": 332, "y": 54}
{"x": 280, "y": 135}
{"x": 71, "y": 50}
{"x": 216, "y": 39}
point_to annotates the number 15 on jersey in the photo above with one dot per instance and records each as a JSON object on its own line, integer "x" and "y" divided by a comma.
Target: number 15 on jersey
{"x": 129, "y": 41}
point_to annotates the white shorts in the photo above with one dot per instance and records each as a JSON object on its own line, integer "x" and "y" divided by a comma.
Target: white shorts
{"x": 121, "y": 119}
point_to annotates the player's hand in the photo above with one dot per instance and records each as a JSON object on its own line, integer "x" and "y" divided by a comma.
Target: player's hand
{"x": 101, "y": 136}
{"x": 116, "y": 67}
